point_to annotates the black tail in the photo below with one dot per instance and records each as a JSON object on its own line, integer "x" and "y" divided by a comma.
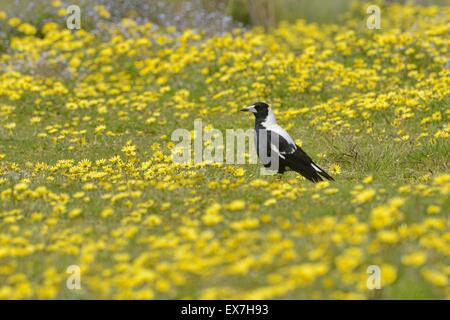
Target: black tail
{"x": 310, "y": 171}
{"x": 299, "y": 161}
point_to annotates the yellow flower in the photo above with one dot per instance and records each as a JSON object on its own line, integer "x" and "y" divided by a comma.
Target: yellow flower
{"x": 335, "y": 169}
{"x": 102, "y": 11}
{"x": 35, "y": 120}
{"x": 364, "y": 196}
{"x": 414, "y": 259}
{"x": 435, "y": 277}
{"x": 349, "y": 260}
{"x": 235, "y": 205}
{"x": 388, "y": 274}
{"x": 239, "y": 172}
{"x": 14, "y": 22}
{"x": 36, "y": 216}
{"x": 152, "y": 220}
{"x": 21, "y": 186}
{"x": 249, "y": 223}
{"x": 162, "y": 285}
{"x": 56, "y": 3}
{"x": 433, "y": 209}
{"x": 84, "y": 164}
{"x": 213, "y": 209}
{"x": 388, "y": 236}
{"x": 10, "y": 126}
{"x": 74, "y": 213}
{"x": 27, "y": 29}
{"x": 258, "y": 183}
{"x": 49, "y": 26}
{"x": 129, "y": 150}
{"x": 437, "y": 116}
{"x": 106, "y": 212}
{"x": 99, "y": 128}
{"x": 368, "y": 180}
{"x": 211, "y": 219}
{"x": 270, "y": 202}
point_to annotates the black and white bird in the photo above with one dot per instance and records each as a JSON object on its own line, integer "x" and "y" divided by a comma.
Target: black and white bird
{"x": 270, "y": 137}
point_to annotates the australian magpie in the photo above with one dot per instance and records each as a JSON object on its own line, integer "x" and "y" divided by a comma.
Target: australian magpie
{"x": 270, "y": 137}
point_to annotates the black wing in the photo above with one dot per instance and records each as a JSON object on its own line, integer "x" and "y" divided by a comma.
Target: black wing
{"x": 289, "y": 155}
{"x": 269, "y": 141}
{"x": 302, "y": 163}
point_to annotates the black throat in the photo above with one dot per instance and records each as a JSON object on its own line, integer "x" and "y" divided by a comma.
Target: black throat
{"x": 259, "y": 120}
{"x": 261, "y": 116}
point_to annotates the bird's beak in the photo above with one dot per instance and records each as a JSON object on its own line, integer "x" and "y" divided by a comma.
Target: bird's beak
{"x": 249, "y": 109}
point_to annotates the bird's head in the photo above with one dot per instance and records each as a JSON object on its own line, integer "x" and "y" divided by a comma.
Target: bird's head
{"x": 259, "y": 109}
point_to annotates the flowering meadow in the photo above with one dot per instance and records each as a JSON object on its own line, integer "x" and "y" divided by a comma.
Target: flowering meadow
{"x": 87, "y": 177}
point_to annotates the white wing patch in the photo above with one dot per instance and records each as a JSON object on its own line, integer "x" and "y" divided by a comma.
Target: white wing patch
{"x": 274, "y": 148}
{"x": 271, "y": 124}
{"x": 280, "y": 131}
{"x": 316, "y": 168}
